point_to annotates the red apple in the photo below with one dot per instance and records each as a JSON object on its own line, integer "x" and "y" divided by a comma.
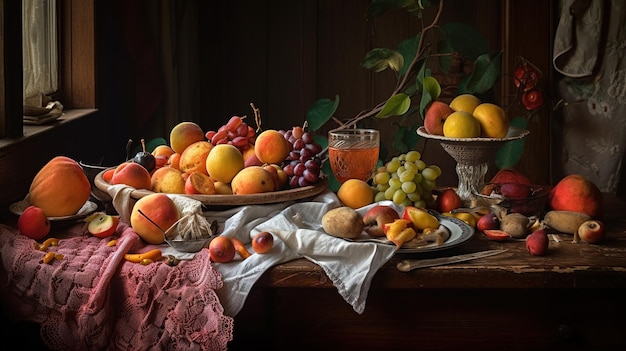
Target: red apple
{"x": 103, "y": 225}
{"x": 436, "y": 113}
{"x": 33, "y": 223}
{"x": 376, "y": 217}
{"x": 488, "y": 221}
{"x": 448, "y": 200}
{"x": 262, "y": 242}
{"x": 591, "y": 231}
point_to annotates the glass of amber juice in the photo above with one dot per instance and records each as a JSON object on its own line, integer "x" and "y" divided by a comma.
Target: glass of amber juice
{"x": 353, "y": 153}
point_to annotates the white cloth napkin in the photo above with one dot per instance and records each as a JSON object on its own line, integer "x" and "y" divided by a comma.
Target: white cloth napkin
{"x": 298, "y": 233}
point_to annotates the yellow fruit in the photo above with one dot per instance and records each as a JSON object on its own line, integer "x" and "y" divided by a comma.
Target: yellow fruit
{"x": 252, "y": 180}
{"x": 355, "y": 193}
{"x": 467, "y": 218}
{"x": 493, "y": 120}
{"x": 461, "y": 125}
{"x": 193, "y": 158}
{"x": 465, "y": 102}
{"x": 167, "y": 180}
{"x": 224, "y": 162}
{"x": 184, "y": 134}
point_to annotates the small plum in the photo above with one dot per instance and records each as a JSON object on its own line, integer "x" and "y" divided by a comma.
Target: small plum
{"x": 221, "y": 249}
{"x": 488, "y": 221}
{"x": 262, "y": 242}
{"x": 537, "y": 243}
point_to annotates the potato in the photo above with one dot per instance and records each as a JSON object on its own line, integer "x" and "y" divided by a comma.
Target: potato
{"x": 515, "y": 224}
{"x": 343, "y": 222}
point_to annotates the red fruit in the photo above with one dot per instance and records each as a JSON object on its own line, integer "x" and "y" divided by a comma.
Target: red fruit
{"x": 533, "y": 99}
{"x": 262, "y": 242}
{"x": 496, "y": 234}
{"x": 510, "y": 175}
{"x": 537, "y": 243}
{"x": 33, "y": 223}
{"x": 515, "y": 191}
{"x": 527, "y": 75}
{"x": 576, "y": 193}
{"x": 448, "y": 200}
{"x": 221, "y": 249}
{"x": 488, "y": 222}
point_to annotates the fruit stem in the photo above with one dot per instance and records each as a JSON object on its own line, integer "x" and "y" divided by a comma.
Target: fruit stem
{"x": 128, "y": 144}
{"x": 257, "y": 117}
{"x": 143, "y": 144}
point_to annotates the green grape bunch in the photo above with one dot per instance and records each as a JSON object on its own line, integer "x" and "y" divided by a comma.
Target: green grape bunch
{"x": 406, "y": 180}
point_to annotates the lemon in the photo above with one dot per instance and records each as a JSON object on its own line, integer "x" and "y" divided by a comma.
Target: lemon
{"x": 465, "y": 102}
{"x": 224, "y": 162}
{"x": 493, "y": 120}
{"x": 355, "y": 193}
{"x": 461, "y": 125}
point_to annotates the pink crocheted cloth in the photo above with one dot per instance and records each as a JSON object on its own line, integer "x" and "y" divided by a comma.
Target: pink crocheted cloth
{"x": 93, "y": 299}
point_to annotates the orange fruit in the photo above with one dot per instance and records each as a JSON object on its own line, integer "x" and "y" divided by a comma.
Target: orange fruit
{"x": 493, "y": 120}
{"x": 271, "y": 147}
{"x": 355, "y": 193}
{"x": 465, "y": 102}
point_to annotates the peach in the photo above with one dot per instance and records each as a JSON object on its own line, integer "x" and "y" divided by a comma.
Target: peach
{"x": 262, "y": 242}
{"x": 278, "y": 175}
{"x": 193, "y": 158}
{"x": 222, "y": 188}
{"x": 33, "y": 223}
{"x": 132, "y": 174}
{"x": 576, "y": 193}
{"x": 174, "y": 161}
{"x": 436, "y": 113}
{"x": 167, "y": 180}
{"x": 199, "y": 183}
{"x": 221, "y": 249}
{"x": 271, "y": 147}
{"x": 163, "y": 150}
{"x": 161, "y": 209}
{"x": 184, "y": 134}
{"x": 252, "y": 180}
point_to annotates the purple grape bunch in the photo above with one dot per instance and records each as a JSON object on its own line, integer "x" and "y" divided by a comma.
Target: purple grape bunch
{"x": 303, "y": 164}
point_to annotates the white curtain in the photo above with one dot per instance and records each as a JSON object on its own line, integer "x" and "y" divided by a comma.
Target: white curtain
{"x": 39, "y": 48}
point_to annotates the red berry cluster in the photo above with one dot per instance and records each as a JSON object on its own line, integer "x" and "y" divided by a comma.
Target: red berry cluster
{"x": 235, "y": 132}
{"x": 526, "y": 78}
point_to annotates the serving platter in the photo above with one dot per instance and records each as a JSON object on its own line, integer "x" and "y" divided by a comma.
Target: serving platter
{"x": 17, "y": 208}
{"x": 234, "y": 200}
{"x": 460, "y": 232}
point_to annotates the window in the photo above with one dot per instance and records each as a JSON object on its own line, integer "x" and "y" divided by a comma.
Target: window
{"x": 39, "y": 48}
{"x": 75, "y": 79}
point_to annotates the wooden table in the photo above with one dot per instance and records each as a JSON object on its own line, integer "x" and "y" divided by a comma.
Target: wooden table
{"x": 574, "y": 297}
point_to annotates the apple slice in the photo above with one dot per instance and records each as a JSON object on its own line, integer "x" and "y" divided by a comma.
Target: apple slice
{"x": 496, "y": 234}
{"x": 102, "y": 225}
{"x": 376, "y": 217}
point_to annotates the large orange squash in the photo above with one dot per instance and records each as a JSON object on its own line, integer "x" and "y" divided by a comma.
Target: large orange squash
{"x": 60, "y": 188}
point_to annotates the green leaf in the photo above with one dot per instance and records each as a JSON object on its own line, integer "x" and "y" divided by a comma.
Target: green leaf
{"x": 511, "y": 152}
{"x": 465, "y": 39}
{"x": 408, "y": 49}
{"x": 321, "y": 111}
{"x": 395, "y": 106}
{"x": 380, "y": 59}
{"x": 431, "y": 85}
{"x": 487, "y": 69}
{"x": 405, "y": 138}
{"x": 333, "y": 183}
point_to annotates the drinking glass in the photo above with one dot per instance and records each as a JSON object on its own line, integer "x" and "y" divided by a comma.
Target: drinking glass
{"x": 353, "y": 153}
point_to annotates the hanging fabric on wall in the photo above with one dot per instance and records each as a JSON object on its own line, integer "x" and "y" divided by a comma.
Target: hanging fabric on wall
{"x": 590, "y": 53}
